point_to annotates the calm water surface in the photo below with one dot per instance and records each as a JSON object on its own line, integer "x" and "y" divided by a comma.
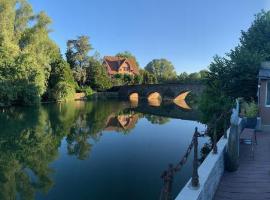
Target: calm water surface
{"x": 94, "y": 150}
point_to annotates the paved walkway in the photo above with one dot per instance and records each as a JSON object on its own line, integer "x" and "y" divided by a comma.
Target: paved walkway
{"x": 252, "y": 180}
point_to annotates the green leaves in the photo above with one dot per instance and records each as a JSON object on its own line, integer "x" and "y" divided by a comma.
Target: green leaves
{"x": 26, "y": 52}
{"x": 97, "y": 76}
{"x": 162, "y": 69}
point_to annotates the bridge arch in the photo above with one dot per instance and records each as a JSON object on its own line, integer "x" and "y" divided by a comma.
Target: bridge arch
{"x": 134, "y": 97}
{"x": 180, "y": 100}
{"x": 154, "y": 98}
{"x": 182, "y": 96}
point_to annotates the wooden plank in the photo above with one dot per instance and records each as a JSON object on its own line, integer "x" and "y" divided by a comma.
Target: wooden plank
{"x": 252, "y": 179}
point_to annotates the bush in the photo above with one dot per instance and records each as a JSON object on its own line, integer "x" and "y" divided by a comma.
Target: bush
{"x": 63, "y": 91}
{"x": 61, "y": 79}
{"x": 250, "y": 109}
{"x": 87, "y": 90}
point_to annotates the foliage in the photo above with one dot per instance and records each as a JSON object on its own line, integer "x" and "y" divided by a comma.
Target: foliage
{"x": 162, "y": 69}
{"x": 77, "y": 52}
{"x": 148, "y": 78}
{"x": 61, "y": 82}
{"x": 97, "y": 76}
{"x": 245, "y": 59}
{"x": 138, "y": 79}
{"x": 157, "y": 119}
{"x": 87, "y": 90}
{"x": 196, "y": 77}
{"x": 242, "y": 64}
{"x": 77, "y": 57}
{"x": 126, "y": 79}
{"x": 214, "y": 101}
{"x": 236, "y": 75}
{"x": 26, "y": 53}
{"x": 250, "y": 109}
{"x": 63, "y": 91}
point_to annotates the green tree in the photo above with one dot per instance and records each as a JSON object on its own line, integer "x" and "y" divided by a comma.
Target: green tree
{"x": 77, "y": 57}
{"x": 214, "y": 101}
{"x": 148, "y": 78}
{"x": 162, "y": 69}
{"x": 77, "y": 52}
{"x": 235, "y": 75}
{"x": 26, "y": 52}
{"x": 183, "y": 77}
{"x": 97, "y": 76}
{"x": 138, "y": 79}
{"x": 245, "y": 59}
{"x": 61, "y": 82}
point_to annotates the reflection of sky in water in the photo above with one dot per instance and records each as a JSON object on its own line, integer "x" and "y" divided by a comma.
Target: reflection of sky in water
{"x": 94, "y": 150}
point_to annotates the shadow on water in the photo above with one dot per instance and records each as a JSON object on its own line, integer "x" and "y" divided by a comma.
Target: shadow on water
{"x": 30, "y": 138}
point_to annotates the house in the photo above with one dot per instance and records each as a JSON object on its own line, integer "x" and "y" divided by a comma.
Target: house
{"x": 264, "y": 94}
{"x": 121, "y": 123}
{"x": 120, "y": 65}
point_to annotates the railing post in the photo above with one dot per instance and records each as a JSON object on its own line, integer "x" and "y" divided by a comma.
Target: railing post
{"x": 215, "y": 150}
{"x": 232, "y": 153}
{"x": 225, "y": 131}
{"x": 195, "y": 177}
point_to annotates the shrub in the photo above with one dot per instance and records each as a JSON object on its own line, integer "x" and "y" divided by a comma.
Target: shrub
{"x": 250, "y": 109}
{"x": 87, "y": 90}
{"x": 63, "y": 91}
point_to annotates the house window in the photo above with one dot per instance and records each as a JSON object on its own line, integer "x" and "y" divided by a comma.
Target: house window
{"x": 268, "y": 93}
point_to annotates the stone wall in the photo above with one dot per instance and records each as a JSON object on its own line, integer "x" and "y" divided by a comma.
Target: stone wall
{"x": 210, "y": 173}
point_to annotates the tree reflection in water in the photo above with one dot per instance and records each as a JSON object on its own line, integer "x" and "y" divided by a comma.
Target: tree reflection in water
{"x": 30, "y": 138}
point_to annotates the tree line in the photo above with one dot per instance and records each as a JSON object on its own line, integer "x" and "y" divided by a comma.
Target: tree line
{"x": 235, "y": 74}
{"x": 32, "y": 68}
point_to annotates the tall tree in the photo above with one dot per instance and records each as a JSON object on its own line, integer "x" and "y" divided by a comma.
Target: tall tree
{"x": 61, "y": 82}
{"x": 77, "y": 57}
{"x": 162, "y": 69}
{"x": 246, "y": 58}
{"x": 97, "y": 76}
{"x": 26, "y": 52}
{"x": 77, "y": 52}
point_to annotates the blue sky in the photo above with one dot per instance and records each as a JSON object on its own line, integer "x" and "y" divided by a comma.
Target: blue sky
{"x": 186, "y": 32}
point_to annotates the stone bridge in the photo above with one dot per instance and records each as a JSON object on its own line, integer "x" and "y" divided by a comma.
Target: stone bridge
{"x": 163, "y": 91}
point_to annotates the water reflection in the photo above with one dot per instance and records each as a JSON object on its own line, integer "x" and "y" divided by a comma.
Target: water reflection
{"x": 30, "y": 139}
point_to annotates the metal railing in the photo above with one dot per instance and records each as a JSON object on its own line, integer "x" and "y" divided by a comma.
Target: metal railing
{"x": 168, "y": 175}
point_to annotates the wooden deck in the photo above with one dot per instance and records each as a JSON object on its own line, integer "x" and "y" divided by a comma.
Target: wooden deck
{"x": 252, "y": 180}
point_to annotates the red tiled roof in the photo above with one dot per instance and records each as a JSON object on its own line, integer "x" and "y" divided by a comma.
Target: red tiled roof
{"x": 113, "y": 63}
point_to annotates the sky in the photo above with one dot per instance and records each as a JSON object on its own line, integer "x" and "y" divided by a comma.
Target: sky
{"x": 186, "y": 32}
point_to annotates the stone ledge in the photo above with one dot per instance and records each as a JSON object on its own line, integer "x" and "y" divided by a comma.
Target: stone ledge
{"x": 210, "y": 173}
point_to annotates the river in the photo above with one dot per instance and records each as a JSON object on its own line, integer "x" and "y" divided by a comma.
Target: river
{"x": 93, "y": 150}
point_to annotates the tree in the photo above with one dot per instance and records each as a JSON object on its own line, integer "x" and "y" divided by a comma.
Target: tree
{"x": 61, "y": 82}
{"x": 77, "y": 52}
{"x": 162, "y": 69}
{"x": 183, "y": 77}
{"x": 97, "y": 76}
{"x": 77, "y": 57}
{"x": 245, "y": 59}
{"x": 235, "y": 75}
{"x": 138, "y": 79}
{"x": 127, "y": 54}
{"x": 147, "y": 78}
{"x": 26, "y": 52}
